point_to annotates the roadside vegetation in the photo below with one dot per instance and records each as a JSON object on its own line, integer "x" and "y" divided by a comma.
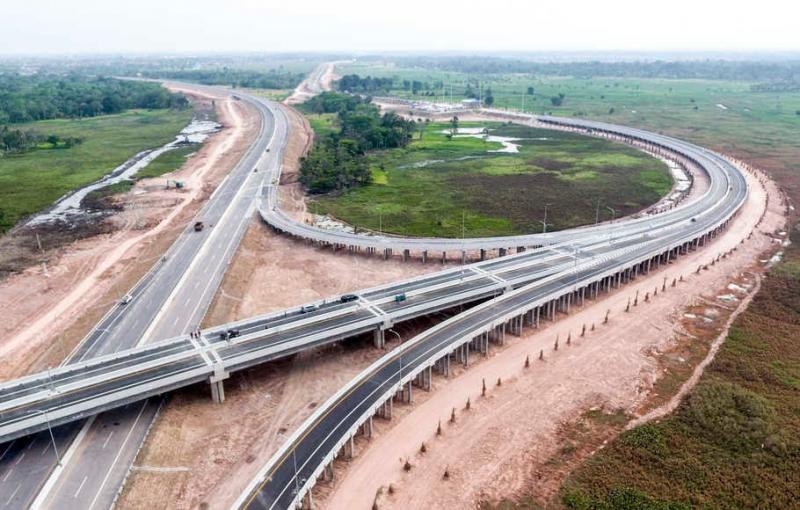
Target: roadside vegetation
{"x": 735, "y": 441}
{"x": 41, "y": 97}
{"x": 167, "y": 162}
{"x": 338, "y": 160}
{"x": 237, "y": 78}
{"x": 449, "y": 186}
{"x": 33, "y": 180}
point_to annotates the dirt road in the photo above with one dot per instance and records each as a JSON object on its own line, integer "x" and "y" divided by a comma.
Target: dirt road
{"x": 320, "y": 80}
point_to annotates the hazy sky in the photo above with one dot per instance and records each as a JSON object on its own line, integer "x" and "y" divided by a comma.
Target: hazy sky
{"x": 110, "y": 26}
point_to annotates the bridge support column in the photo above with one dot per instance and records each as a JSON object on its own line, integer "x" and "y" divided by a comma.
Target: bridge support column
{"x": 520, "y": 249}
{"x": 217, "y": 387}
{"x": 379, "y": 339}
{"x": 424, "y": 256}
{"x": 463, "y": 257}
{"x": 503, "y": 252}
{"x": 406, "y": 393}
{"x": 406, "y": 255}
{"x": 350, "y": 448}
{"x": 483, "y": 254}
{"x": 308, "y": 501}
{"x": 385, "y": 410}
{"x": 327, "y": 473}
{"x": 444, "y": 257}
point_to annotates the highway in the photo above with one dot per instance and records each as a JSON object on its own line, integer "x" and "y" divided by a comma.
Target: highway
{"x": 121, "y": 380}
{"x": 169, "y": 300}
{"x": 294, "y": 469}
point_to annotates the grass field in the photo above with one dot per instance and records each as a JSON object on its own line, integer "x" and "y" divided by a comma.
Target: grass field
{"x": 497, "y": 193}
{"x": 32, "y": 181}
{"x": 759, "y": 126}
{"x": 168, "y": 161}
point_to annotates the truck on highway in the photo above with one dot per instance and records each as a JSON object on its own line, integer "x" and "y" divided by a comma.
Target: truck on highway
{"x": 198, "y": 226}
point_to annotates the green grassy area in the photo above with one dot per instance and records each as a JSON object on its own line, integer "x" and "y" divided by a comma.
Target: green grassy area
{"x": 735, "y": 441}
{"x": 273, "y": 94}
{"x": 168, "y": 161}
{"x": 427, "y": 188}
{"x": 762, "y": 127}
{"x": 32, "y": 181}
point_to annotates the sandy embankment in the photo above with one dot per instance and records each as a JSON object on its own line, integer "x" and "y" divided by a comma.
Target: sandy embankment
{"x": 499, "y": 448}
{"x": 45, "y": 315}
{"x": 320, "y": 80}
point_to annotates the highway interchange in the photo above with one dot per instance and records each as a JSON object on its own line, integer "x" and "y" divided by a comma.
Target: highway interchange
{"x": 170, "y": 291}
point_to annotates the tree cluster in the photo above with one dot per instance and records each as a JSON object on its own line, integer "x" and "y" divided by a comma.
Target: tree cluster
{"x": 339, "y": 160}
{"x": 17, "y": 140}
{"x": 39, "y": 97}
{"x": 355, "y": 83}
{"x": 711, "y": 69}
{"x": 270, "y": 79}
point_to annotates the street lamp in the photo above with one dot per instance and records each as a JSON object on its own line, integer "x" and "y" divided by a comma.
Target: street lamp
{"x": 52, "y": 437}
{"x": 544, "y": 222}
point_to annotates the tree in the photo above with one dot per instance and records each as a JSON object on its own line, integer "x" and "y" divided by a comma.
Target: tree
{"x": 488, "y": 99}
{"x": 530, "y": 91}
{"x": 558, "y": 100}
{"x": 454, "y": 125}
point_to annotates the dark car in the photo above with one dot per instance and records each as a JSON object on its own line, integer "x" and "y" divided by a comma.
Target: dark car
{"x": 348, "y": 298}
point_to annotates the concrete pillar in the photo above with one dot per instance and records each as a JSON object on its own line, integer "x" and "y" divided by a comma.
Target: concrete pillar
{"x": 503, "y": 252}
{"x": 444, "y": 257}
{"x": 483, "y": 254}
{"x": 379, "y": 340}
{"x": 424, "y": 256}
{"x": 463, "y": 257}
{"x": 215, "y": 381}
{"x": 406, "y": 255}
{"x": 217, "y": 391}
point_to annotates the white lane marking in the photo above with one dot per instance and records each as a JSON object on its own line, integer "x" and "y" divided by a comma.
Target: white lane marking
{"x": 31, "y": 443}
{"x": 81, "y": 486}
{"x": 13, "y": 493}
{"x": 8, "y": 473}
{"x": 46, "y": 449}
{"x": 175, "y": 322}
{"x": 8, "y": 447}
{"x": 119, "y": 453}
{"x": 105, "y": 443}
{"x": 20, "y": 458}
{"x": 44, "y": 493}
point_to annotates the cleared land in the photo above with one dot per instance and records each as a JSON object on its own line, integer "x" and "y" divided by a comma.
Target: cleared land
{"x": 32, "y": 181}
{"x": 427, "y": 188}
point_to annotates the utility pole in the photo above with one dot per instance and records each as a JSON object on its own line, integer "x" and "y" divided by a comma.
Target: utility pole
{"x": 597, "y": 212}
{"x": 613, "y": 217}
{"x": 544, "y": 222}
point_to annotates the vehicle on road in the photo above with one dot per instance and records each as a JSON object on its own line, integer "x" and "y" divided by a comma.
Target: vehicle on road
{"x": 400, "y": 298}
{"x": 125, "y": 299}
{"x": 307, "y": 308}
{"x": 198, "y": 226}
{"x": 347, "y": 298}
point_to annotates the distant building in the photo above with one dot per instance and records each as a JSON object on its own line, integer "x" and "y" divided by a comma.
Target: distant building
{"x": 471, "y": 104}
